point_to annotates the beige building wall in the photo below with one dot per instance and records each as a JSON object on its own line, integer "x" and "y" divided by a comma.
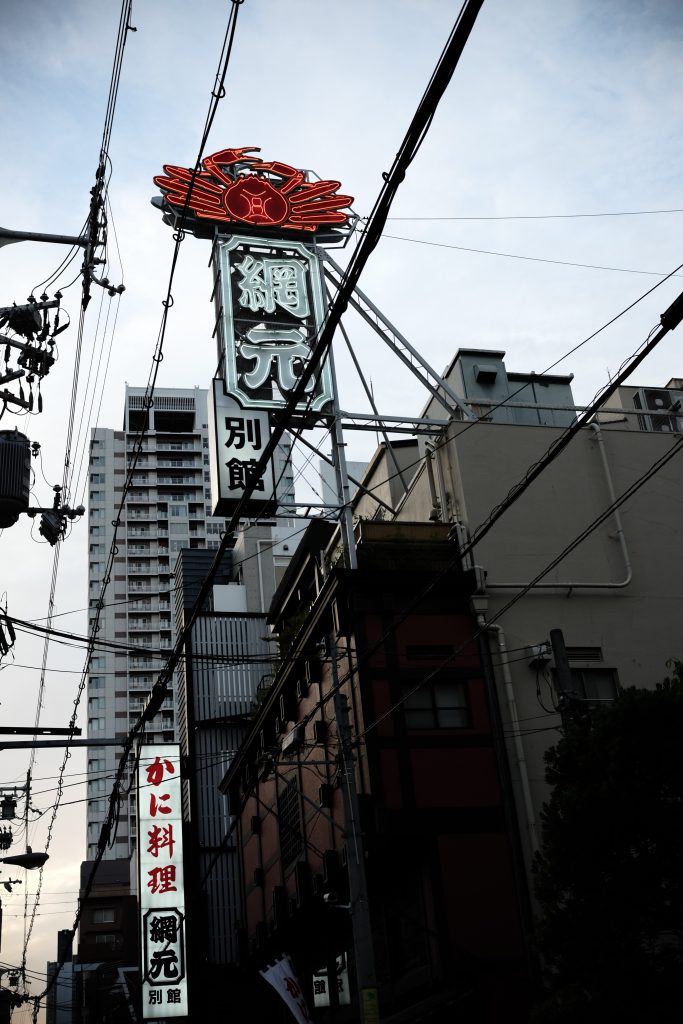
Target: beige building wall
{"x": 618, "y": 596}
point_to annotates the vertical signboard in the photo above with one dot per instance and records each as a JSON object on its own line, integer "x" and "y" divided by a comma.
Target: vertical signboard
{"x": 162, "y": 900}
{"x": 324, "y": 981}
{"x": 272, "y": 313}
{"x": 237, "y": 438}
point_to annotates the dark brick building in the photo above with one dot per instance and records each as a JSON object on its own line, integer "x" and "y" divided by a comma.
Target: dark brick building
{"x": 445, "y": 883}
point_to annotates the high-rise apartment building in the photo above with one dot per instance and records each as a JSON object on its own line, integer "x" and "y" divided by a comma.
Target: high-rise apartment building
{"x": 167, "y": 508}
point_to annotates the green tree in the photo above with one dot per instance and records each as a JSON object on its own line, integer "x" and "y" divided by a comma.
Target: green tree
{"x": 609, "y": 877}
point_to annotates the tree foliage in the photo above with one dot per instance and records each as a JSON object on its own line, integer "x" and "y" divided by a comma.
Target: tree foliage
{"x": 609, "y": 878}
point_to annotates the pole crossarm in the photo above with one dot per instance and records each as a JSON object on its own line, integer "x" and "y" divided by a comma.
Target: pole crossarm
{"x": 8, "y": 236}
{"x": 439, "y": 388}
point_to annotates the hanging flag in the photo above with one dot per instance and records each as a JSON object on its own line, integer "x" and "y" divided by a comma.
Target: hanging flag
{"x": 282, "y": 977}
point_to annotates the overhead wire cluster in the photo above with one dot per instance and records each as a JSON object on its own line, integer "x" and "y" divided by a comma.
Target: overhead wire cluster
{"x": 96, "y": 239}
{"x": 369, "y": 239}
{"x": 217, "y": 94}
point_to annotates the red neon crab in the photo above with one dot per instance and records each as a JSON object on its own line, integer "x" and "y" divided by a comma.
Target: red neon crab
{"x": 259, "y": 193}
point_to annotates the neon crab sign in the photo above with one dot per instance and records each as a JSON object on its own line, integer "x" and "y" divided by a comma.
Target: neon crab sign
{"x": 237, "y": 188}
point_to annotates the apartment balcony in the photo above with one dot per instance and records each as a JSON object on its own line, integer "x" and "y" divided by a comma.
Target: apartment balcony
{"x": 143, "y": 568}
{"x": 178, "y": 481}
{"x": 178, "y": 464}
{"x": 179, "y": 446}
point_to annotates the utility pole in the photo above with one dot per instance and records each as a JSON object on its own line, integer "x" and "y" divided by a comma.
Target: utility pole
{"x": 364, "y": 954}
{"x": 563, "y": 675}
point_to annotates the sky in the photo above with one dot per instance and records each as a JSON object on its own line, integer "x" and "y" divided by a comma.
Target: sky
{"x": 555, "y": 110}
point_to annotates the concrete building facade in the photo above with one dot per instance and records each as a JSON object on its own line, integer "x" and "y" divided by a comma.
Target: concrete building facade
{"x": 167, "y": 508}
{"x": 616, "y": 595}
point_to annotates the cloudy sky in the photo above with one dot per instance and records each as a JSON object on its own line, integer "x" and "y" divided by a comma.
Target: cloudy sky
{"x": 555, "y": 110}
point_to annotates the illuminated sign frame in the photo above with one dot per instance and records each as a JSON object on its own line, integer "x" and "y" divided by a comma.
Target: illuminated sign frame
{"x": 272, "y": 313}
{"x": 161, "y": 885}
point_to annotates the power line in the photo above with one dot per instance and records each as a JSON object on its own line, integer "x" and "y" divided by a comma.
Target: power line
{"x": 392, "y": 180}
{"x": 217, "y": 94}
{"x": 669, "y": 320}
{"x": 509, "y": 398}
{"x": 96, "y": 207}
{"x": 583, "y": 535}
{"x": 531, "y": 259}
{"x": 544, "y": 216}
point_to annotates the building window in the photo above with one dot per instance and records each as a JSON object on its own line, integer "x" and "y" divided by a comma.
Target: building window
{"x": 178, "y": 510}
{"x": 96, "y": 683}
{"x": 595, "y": 684}
{"x": 591, "y": 682}
{"x": 109, "y": 939}
{"x": 105, "y": 915}
{"x": 96, "y": 703}
{"x": 289, "y": 821}
{"x": 441, "y": 704}
{"x": 95, "y": 725}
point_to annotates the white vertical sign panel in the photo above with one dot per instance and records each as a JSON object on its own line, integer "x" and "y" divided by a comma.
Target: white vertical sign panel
{"x": 237, "y": 438}
{"x": 161, "y": 883}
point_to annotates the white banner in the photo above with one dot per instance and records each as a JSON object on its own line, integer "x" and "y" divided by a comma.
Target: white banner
{"x": 283, "y": 979}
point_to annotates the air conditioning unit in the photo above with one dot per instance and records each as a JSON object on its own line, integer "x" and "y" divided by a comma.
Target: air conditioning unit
{"x": 312, "y": 671}
{"x": 280, "y": 906}
{"x": 301, "y": 689}
{"x": 304, "y": 881}
{"x": 319, "y": 731}
{"x": 662, "y": 410}
{"x": 294, "y": 738}
{"x": 325, "y": 795}
{"x": 330, "y": 867}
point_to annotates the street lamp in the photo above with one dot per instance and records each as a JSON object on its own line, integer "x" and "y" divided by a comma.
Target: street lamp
{"x": 26, "y": 860}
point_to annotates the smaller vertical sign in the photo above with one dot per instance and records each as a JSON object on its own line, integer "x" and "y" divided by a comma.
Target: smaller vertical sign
{"x": 323, "y": 982}
{"x": 237, "y": 438}
{"x": 161, "y": 883}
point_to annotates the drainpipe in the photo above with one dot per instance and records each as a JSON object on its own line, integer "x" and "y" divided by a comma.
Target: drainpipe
{"x": 516, "y": 738}
{"x": 436, "y": 513}
{"x": 577, "y": 584}
{"x": 432, "y": 451}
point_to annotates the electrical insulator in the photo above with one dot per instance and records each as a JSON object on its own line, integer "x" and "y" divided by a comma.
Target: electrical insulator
{"x": 15, "y": 476}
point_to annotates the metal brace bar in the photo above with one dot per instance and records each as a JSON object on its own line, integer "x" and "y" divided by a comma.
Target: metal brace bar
{"x": 401, "y": 346}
